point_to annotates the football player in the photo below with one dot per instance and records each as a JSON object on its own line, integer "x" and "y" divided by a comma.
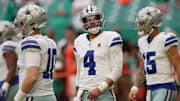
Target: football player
{"x": 37, "y": 58}
{"x": 99, "y": 58}
{"x": 8, "y": 61}
{"x": 160, "y": 58}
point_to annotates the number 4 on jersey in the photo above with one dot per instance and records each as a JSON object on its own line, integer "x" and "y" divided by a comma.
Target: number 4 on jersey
{"x": 89, "y": 62}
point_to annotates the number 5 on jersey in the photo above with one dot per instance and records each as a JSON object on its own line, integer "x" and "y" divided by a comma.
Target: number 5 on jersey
{"x": 89, "y": 62}
{"x": 150, "y": 63}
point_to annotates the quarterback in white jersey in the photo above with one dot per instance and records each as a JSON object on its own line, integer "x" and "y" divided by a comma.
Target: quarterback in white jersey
{"x": 160, "y": 58}
{"x": 99, "y": 58}
{"x": 37, "y": 59}
{"x": 8, "y": 61}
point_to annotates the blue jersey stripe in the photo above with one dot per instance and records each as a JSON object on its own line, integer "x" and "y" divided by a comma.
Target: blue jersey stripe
{"x": 31, "y": 98}
{"x": 75, "y": 49}
{"x": 165, "y": 99}
{"x": 29, "y": 41}
{"x": 30, "y": 46}
{"x": 116, "y": 38}
{"x": 171, "y": 42}
{"x": 27, "y": 98}
{"x": 116, "y": 43}
{"x": 170, "y": 38}
{"x": 170, "y": 94}
{"x": 169, "y": 85}
{"x": 8, "y": 48}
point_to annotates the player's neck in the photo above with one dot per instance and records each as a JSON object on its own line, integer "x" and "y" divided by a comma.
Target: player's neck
{"x": 154, "y": 33}
{"x": 36, "y": 32}
{"x": 92, "y": 36}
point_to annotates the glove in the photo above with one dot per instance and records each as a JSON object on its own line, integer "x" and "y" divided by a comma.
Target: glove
{"x": 4, "y": 91}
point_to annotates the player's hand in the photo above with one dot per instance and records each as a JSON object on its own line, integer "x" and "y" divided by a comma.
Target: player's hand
{"x": 94, "y": 94}
{"x": 3, "y": 94}
{"x": 178, "y": 96}
{"x": 132, "y": 95}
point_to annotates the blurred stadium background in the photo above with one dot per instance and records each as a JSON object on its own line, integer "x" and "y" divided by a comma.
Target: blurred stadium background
{"x": 63, "y": 25}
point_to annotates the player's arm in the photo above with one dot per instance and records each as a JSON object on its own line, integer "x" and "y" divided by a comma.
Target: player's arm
{"x": 78, "y": 93}
{"x": 31, "y": 53}
{"x": 140, "y": 78}
{"x": 77, "y": 66}
{"x": 11, "y": 62}
{"x": 174, "y": 58}
{"x": 116, "y": 61}
{"x": 32, "y": 60}
{"x": 10, "y": 57}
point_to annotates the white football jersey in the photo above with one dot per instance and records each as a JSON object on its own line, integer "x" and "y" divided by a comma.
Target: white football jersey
{"x": 96, "y": 58}
{"x": 47, "y": 48}
{"x": 6, "y": 46}
{"x": 157, "y": 67}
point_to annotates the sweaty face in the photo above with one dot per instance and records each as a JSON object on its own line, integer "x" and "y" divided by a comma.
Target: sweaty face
{"x": 92, "y": 21}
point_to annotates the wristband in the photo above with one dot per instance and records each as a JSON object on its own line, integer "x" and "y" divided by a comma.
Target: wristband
{"x": 20, "y": 96}
{"x": 5, "y": 86}
{"x": 103, "y": 86}
{"x": 134, "y": 88}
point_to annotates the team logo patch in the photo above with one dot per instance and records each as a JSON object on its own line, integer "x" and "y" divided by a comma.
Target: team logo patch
{"x": 99, "y": 44}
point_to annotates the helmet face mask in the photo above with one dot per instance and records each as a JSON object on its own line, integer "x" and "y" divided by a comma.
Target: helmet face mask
{"x": 147, "y": 19}
{"x": 92, "y": 19}
{"x": 29, "y": 18}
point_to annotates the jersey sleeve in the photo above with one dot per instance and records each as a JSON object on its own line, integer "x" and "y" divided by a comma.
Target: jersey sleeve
{"x": 77, "y": 63}
{"x": 116, "y": 57}
{"x": 8, "y": 46}
{"x": 30, "y": 45}
{"x": 116, "y": 40}
{"x": 170, "y": 40}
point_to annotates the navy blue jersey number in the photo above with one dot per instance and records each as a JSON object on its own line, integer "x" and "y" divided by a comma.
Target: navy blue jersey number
{"x": 89, "y": 62}
{"x": 150, "y": 63}
{"x": 48, "y": 74}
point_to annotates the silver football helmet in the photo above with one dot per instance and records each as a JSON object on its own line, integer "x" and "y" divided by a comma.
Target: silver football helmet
{"x": 147, "y": 19}
{"x": 89, "y": 12}
{"x": 7, "y": 31}
{"x": 29, "y": 18}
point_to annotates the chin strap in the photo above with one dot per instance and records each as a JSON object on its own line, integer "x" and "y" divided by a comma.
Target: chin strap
{"x": 151, "y": 31}
{"x": 94, "y": 30}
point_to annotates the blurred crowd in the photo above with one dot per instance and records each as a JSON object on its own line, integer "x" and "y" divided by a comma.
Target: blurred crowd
{"x": 64, "y": 26}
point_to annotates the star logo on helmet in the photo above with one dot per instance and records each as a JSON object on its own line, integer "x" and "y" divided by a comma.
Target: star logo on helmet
{"x": 28, "y": 12}
{"x": 6, "y": 26}
{"x": 99, "y": 44}
{"x": 149, "y": 13}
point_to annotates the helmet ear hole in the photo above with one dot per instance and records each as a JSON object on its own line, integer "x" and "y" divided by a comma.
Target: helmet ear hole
{"x": 98, "y": 17}
{"x": 84, "y": 20}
